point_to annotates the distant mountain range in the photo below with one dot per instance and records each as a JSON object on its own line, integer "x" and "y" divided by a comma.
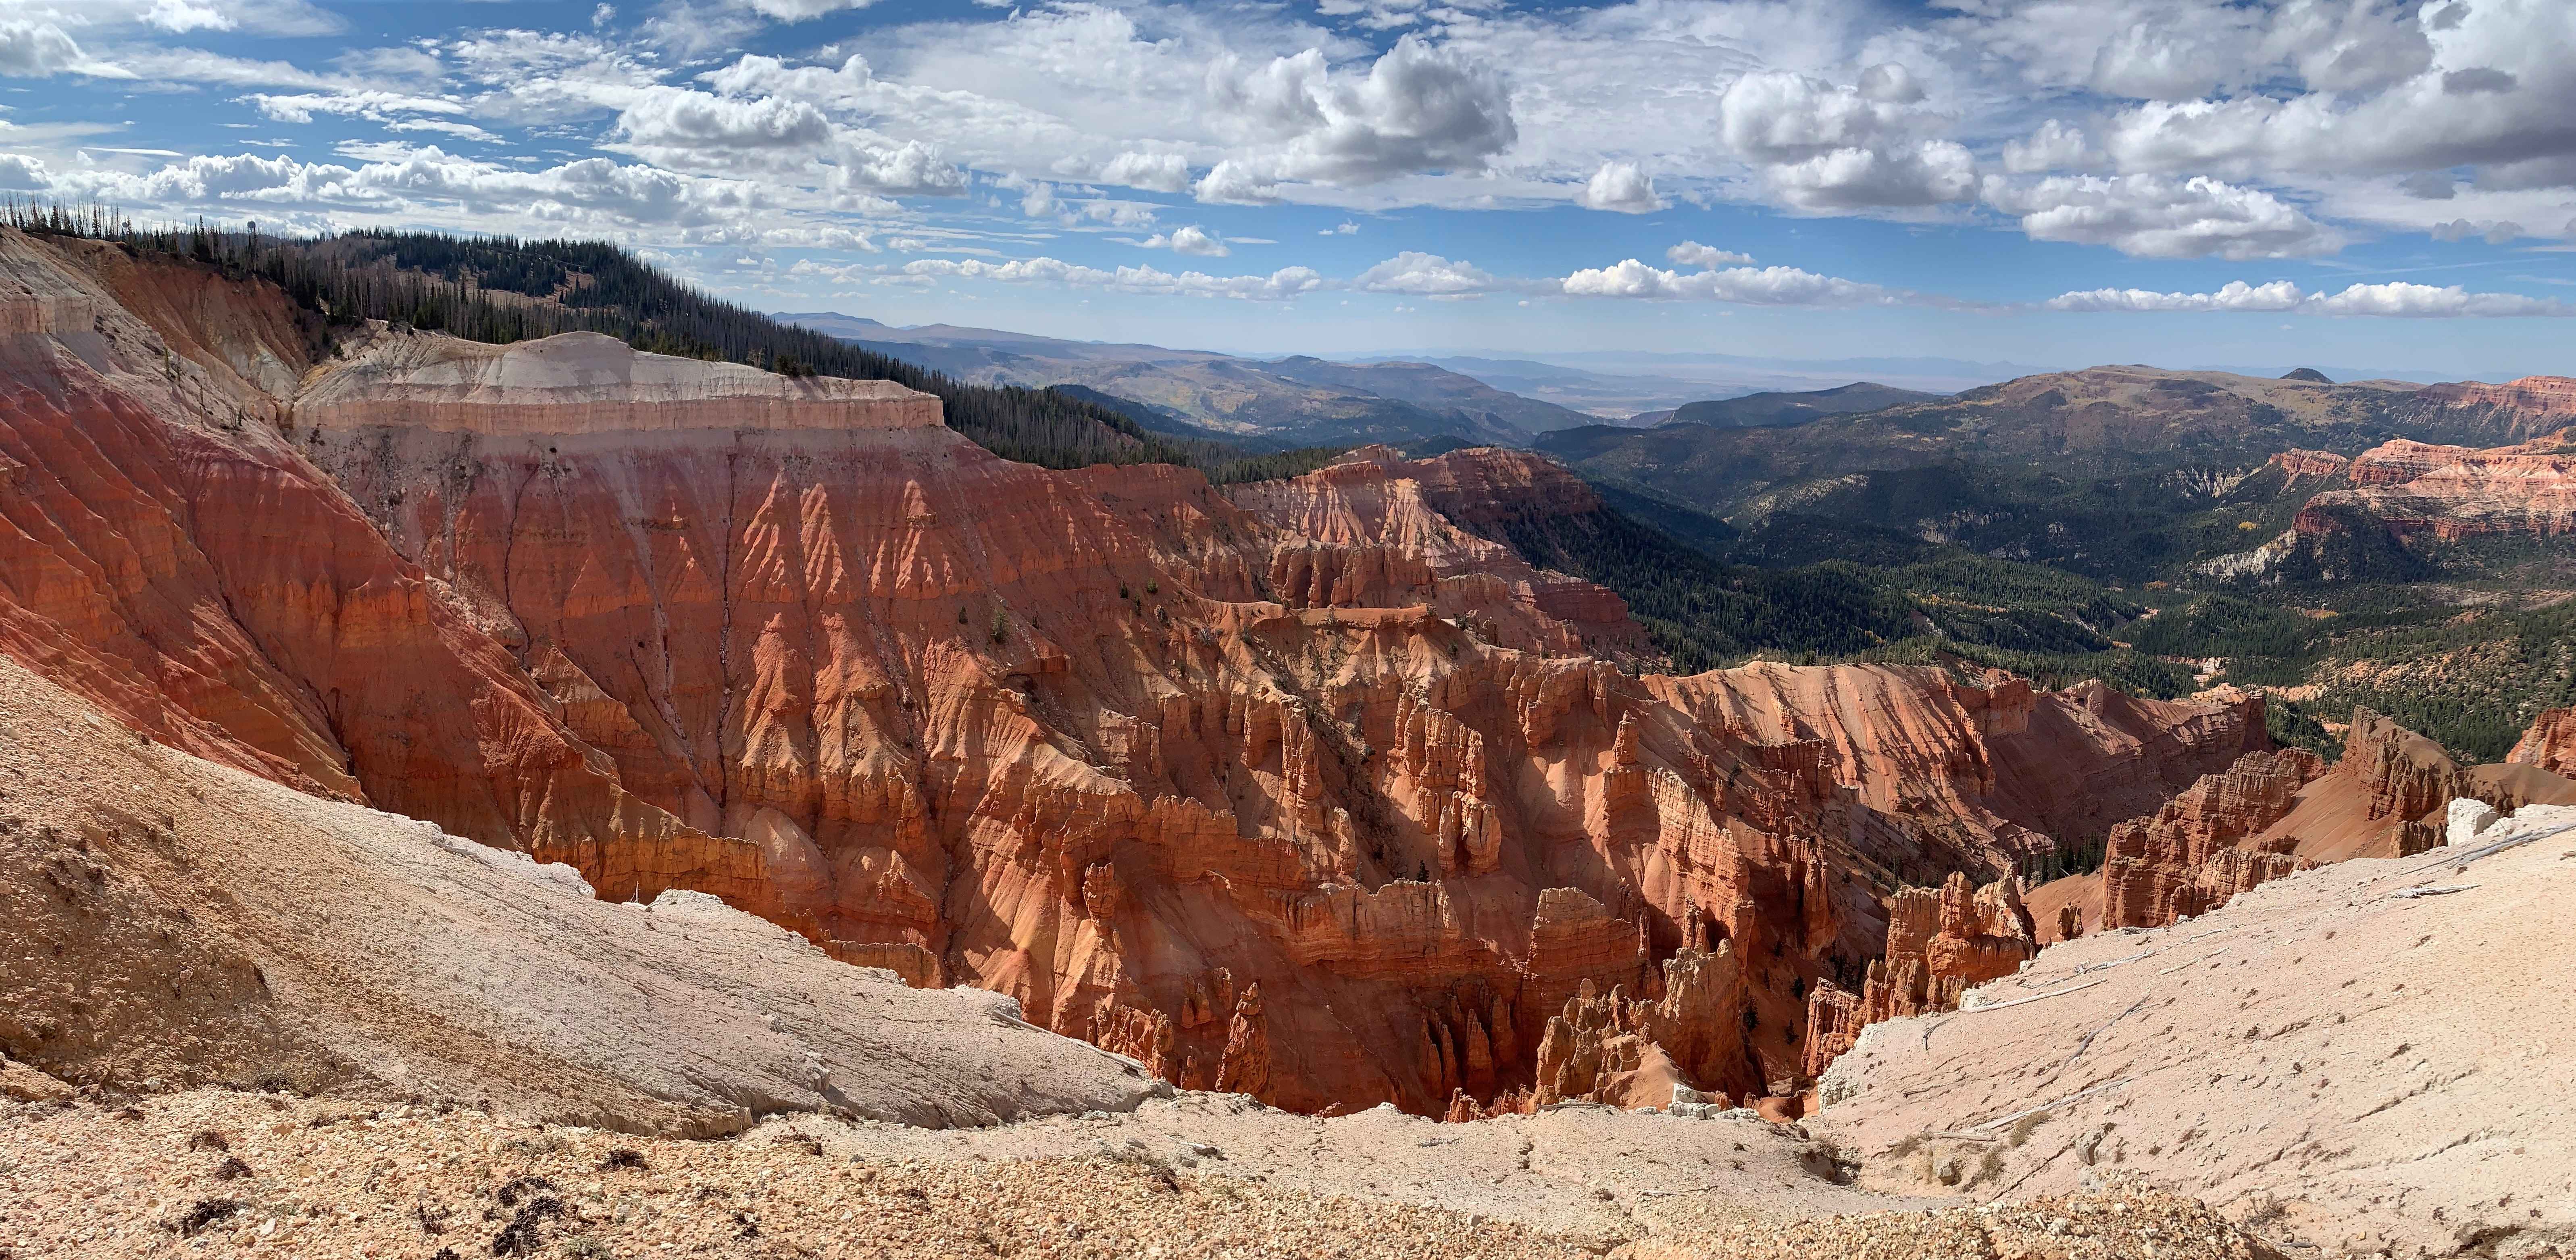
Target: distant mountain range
{"x": 2418, "y": 375}
{"x": 1295, "y": 401}
{"x": 2099, "y": 422}
{"x": 1620, "y": 385}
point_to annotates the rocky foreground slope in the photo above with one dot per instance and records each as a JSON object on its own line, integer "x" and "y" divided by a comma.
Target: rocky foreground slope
{"x": 2356, "y": 1059}
{"x": 191, "y": 1173}
{"x": 1307, "y": 791}
{"x": 173, "y": 923}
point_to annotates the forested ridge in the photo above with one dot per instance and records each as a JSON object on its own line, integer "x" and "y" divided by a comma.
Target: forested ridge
{"x": 2472, "y": 680}
{"x": 1706, "y": 612}
{"x": 503, "y": 289}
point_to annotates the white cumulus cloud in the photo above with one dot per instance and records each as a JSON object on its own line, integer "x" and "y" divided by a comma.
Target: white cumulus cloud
{"x": 1425, "y": 275}
{"x": 678, "y": 118}
{"x": 1824, "y": 147}
{"x": 1193, "y": 239}
{"x": 2393, "y": 300}
{"x": 1755, "y": 286}
{"x": 1694, "y": 254}
{"x": 1418, "y": 108}
{"x": 2150, "y": 216}
{"x": 1622, "y": 187}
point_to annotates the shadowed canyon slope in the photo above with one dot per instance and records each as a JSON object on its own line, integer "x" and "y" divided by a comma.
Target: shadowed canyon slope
{"x": 1306, "y": 790}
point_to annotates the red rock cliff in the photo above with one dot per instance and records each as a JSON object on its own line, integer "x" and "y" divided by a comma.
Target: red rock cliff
{"x": 1940, "y": 944}
{"x": 2550, "y": 743}
{"x": 2188, "y": 858}
{"x": 1304, "y": 790}
{"x": 2529, "y": 407}
{"x": 2455, "y": 492}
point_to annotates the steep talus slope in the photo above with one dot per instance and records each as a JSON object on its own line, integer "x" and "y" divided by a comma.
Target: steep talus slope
{"x": 175, "y": 923}
{"x": 2008, "y": 759}
{"x": 1306, "y": 792}
{"x": 2357, "y": 1059}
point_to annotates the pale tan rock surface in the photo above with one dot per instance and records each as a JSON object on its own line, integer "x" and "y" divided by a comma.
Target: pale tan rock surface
{"x": 2364, "y": 1057}
{"x": 216, "y": 1172}
{"x": 172, "y": 922}
{"x": 582, "y": 382}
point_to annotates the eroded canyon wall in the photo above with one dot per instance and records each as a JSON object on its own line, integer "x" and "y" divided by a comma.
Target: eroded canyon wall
{"x": 1299, "y": 789}
{"x": 2456, "y": 492}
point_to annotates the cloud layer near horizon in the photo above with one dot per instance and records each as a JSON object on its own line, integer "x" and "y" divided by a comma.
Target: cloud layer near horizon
{"x": 2157, "y": 130}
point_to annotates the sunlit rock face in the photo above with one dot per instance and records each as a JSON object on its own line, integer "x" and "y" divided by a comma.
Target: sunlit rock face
{"x": 1302, "y": 788}
{"x": 2456, "y": 492}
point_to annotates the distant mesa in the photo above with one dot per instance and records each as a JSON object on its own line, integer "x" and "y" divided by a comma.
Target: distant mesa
{"x": 1778, "y": 409}
{"x": 2310, "y": 375}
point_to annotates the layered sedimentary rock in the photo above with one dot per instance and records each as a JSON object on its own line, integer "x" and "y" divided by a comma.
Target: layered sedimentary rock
{"x": 1940, "y": 944}
{"x": 2400, "y": 776}
{"x": 1694, "y": 1025}
{"x": 2455, "y": 492}
{"x": 1301, "y": 790}
{"x": 2270, "y": 815}
{"x": 2187, "y": 858}
{"x": 586, "y": 383}
{"x": 2302, "y": 465}
{"x": 2550, "y": 743}
{"x": 2274, "y": 814}
{"x": 1377, "y": 529}
{"x": 173, "y": 924}
{"x": 2524, "y": 408}
{"x": 2030, "y": 772}
{"x": 168, "y": 553}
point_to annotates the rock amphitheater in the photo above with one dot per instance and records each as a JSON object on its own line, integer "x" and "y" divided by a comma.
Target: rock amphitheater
{"x": 557, "y": 799}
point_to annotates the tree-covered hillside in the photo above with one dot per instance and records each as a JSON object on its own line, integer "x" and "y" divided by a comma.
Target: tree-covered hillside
{"x": 503, "y": 289}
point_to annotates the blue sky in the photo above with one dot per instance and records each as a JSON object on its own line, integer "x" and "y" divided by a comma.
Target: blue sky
{"x": 2384, "y": 183}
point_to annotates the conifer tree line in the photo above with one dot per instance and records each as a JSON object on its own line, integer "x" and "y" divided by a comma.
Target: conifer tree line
{"x": 501, "y": 289}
